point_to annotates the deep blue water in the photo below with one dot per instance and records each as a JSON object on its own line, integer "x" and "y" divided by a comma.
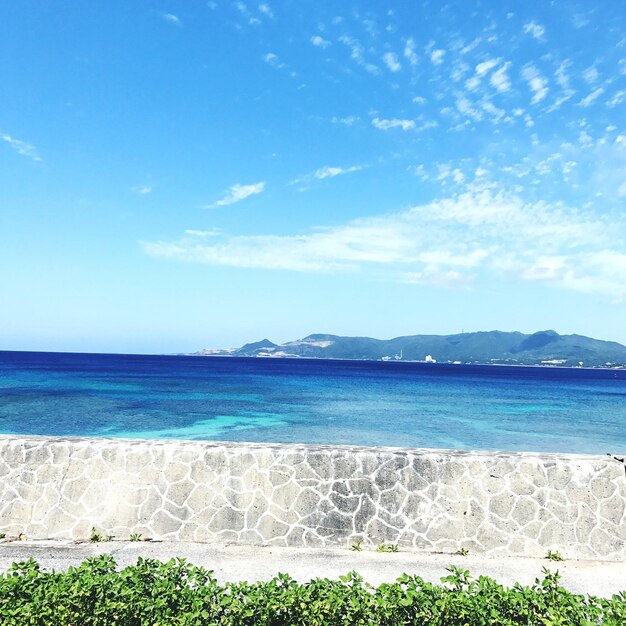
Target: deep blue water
{"x": 313, "y": 401}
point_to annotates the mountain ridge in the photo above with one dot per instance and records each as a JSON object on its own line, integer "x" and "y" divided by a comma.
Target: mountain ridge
{"x": 545, "y": 347}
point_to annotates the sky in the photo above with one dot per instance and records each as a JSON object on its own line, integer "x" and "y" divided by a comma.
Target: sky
{"x": 177, "y": 175}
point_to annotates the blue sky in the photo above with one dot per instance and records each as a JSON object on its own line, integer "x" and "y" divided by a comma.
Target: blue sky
{"x": 178, "y": 175}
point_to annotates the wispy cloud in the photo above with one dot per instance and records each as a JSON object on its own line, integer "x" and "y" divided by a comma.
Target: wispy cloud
{"x": 142, "y": 190}
{"x": 434, "y": 277}
{"x": 482, "y": 231}
{"x": 272, "y": 59}
{"x": 319, "y": 41}
{"x": 591, "y": 75}
{"x": 21, "y": 147}
{"x": 486, "y": 66}
{"x": 171, "y": 18}
{"x": 203, "y": 234}
{"x": 537, "y": 83}
{"x": 409, "y": 51}
{"x": 346, "y": 121}
{"x": 238, "y": 192}
{"x": 383, "y": 124}
{"x": 499, "y": 79}
{"x": 331, "y": 172}
{"x": 357, "y": 54}
{"x": 537, "y": 31}
{"x": 466, "y": 108}
{"x": 617, "y": 98}
{"x": 436, "y": 56}
{"x": 322, "y": 173}
{"x": 562, "y": 77}
{"x": 592, "y": 97}
{"x": 266, "y": 10}
{"x": 391, "y": 61}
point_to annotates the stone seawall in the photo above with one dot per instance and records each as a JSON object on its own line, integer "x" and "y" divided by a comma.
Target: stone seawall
{"x": 297, "y": 495}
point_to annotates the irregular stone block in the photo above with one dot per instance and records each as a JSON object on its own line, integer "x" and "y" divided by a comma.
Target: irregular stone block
{"x": 494, "y": 503}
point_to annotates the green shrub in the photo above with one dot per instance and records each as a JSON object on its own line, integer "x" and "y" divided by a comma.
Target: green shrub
{"x": 387, "y": 547}
{"x": 96, "y": 536}
{"x": 176, "y": 593}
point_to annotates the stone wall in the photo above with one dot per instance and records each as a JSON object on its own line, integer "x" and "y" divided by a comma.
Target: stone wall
{"x": 296, "y": 495}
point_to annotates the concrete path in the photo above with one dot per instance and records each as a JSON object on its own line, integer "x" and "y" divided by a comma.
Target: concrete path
{"x": 232, "y": 563}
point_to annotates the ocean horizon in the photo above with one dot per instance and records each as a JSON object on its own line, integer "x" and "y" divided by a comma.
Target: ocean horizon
{"x": 314, "y": 401}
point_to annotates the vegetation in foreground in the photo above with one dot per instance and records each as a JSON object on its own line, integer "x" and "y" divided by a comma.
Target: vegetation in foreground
{"x": 152, "y": 593}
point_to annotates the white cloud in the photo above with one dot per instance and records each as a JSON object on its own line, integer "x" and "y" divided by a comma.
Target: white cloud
{"x": 579, "y": 20}
{"x": 617, "y": 98}
{"x": 142, "y": 190}
{"x": 21, "y": 147}
{"x": 320, "y": 42}
{"x": 592, "y": 97}
{"x": 236, "y": 193}
{"x": 346, "y": 121}
{"x": 436, "y": 56}
{"x": 496, "y": 113}
{"x": 203, "y": 234}
{"x": 446, "y": 257}
{"x": 421, "y": 173}
{"x": 409, "y": 51}
{"x": 459, "y": 70}
{"x": 585, "y": 139}
{"x": 324, "y": 172}
{"x": 482, "y": 231}
{"x": 458, "y": 176}
{"x": 443, "y": 171}
{"x": 419, "y": 100}
{"x": 357, "y": 54}
{"x": 499, "y": 79}
{"x": 265, "y": 9}
{"x": 391, "y": 61}
{"x": 537, "y": 83}
{"x": 331, "y": 172}
{"x": 472, "y": 83}
{"x": 431, "y": 277}
{"x": 486, "y": 66}
{"x": 566, "y": 95}
{"x": 426, "y": 125}
{"x": 591, "y": 75}
{"x": 272, "y": 59}
{"x": 537, "y": 31}
{"x": 382, "y": 124}
{"x": 546, "y": 268}
{"x": 171, "y": 18}
{"x": 562, "y": 77}
{"x": 242, "y": 8}
{"x": 465, "y": 107}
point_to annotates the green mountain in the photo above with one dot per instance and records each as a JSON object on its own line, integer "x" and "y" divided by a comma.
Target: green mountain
{"x": 545, "y": 347}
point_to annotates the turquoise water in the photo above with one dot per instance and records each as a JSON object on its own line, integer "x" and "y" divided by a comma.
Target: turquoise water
{"x": 313, "y": 401}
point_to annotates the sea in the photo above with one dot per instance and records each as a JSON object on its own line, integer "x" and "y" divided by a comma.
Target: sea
{"x": 311, "y": 401}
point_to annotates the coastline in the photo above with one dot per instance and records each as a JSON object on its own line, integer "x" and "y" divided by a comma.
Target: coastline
{"x": 426, "y": 364}
{"x": 392, "y": 362}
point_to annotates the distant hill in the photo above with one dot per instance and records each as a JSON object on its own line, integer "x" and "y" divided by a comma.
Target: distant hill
{"x": 545, "y": 347}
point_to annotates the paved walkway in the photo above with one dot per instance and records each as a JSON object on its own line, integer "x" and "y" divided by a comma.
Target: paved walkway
{"x": 231, "y": 563}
